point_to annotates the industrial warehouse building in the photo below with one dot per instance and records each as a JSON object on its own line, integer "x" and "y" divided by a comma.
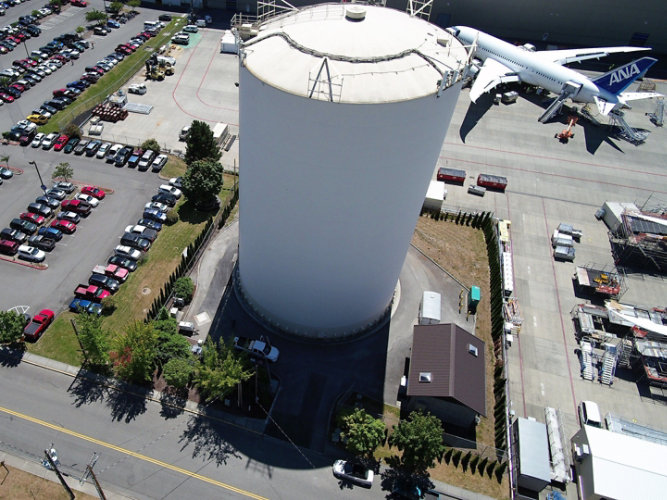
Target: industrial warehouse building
{"x": 570, "y": 22}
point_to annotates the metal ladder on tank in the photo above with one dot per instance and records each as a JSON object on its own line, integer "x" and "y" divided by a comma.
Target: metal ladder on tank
{"x": 626, "y": 131}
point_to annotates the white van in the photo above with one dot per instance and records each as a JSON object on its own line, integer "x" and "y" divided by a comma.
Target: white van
{"x": 589, "y": 414}
{"x": 151, "y": 25}
{"x": 201, "y": 23}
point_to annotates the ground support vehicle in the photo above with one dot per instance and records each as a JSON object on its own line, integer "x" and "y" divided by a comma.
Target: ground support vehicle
{"x": 451, "y": 175}
{"x": 492, "y": 181}
{"x": 606, "y": 283}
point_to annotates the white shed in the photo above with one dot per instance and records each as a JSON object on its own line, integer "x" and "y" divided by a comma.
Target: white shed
{"x": 434, "y": 196}
{"x": 228, "y": 43}
{"x": 429, "y": 309}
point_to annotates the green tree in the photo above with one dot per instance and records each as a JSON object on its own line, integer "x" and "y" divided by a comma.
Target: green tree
{"x": 184, "y": 288}
{"x": 170, "y": 344}
{"x": 5, "y": 159}
{"x": 11, "y": 327}
{"x": 362, "y": 433}
{"x": 116, "y": 7}
{"x": 133, "y": 354}
{"x": 134, "y": 4}
{"x": 94, "y": 339}
{"x": 200, "y": 144}
{"x": 63, "y": 170}
{"x": 202, "y": 182}
{"x": 72, "y": 131}
{"x": 80, "y": 29}
{"x": 419, "y": 438}
{"x": 108, "y": 305}
{"x": 96, "y": 15}
{"x": 151, "y": 144}
{"x": 177, "y": 372}
{"x": 219, "y": 370}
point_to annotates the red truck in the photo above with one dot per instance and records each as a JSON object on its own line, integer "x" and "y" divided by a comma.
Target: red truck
{"x": 90, "y": 292}
{"x": 492, "y": 181}
{"x": 452, "y": 175}
{"x": 33, "y": 330}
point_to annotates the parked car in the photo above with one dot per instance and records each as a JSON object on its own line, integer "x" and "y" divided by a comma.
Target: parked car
{"x": 56, "y": 193}
{"x": 38, "y": 325}
{"x": 133, "y": 160}
{"x": 168, "y": 188}
{"x": 93, "y": 191}
{"x": 31, "y": 254}
{"x": 63, "y": 225}
{"x": 123, "y": 262}
{"x": 32, "y": 217}
{"x": 92, "y": 147}
{"x": 67, "y": 187}
{"x": 177, "y": 182}
{"x": 60, "y": 142}
{"x": 104, "y": 281}
{"x": 137, "y": 88}
{"x": 5, "y": 173}
{"x": 150, "y": 224}
{"x": 69, "y": 216}
{"x": 9, "y": 247}
{"x": 353, "y": 472}
{"x": 112, "y": 152}
{"x": 157, "y": 206}
{"x": 50, "y": 233}
{"x": 81, "y": 147}
{"x": 122, "y": 156}
{"x": 159, "y": 162}
{"x": 82, "y": 305}
{"x": 143, "y": 231}
{"x": 135, "y": 241}
{"x": 154, "y": 214}
{"x": 37, "y": 141}
{"x": 164, "y": 198}
{"x": 71, "y": 144}
{"x": 48, "y": 201}
{"x": 13, "y": 234}
{"x": 24, "y": 226}
{"x": 78, "y": 206}
{"x": 102, "y": 151}
{"x": 41, "y": 242}
{"x": 127, "y": 252}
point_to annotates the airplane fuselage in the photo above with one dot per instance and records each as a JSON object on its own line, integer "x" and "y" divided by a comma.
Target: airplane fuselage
{"x": 532, "y": 69}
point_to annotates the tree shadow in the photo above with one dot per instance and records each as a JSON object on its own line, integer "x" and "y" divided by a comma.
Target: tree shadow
{"x": 208, "y": 443}
{"x": 127, "y": 406}
{"x": 86, "y": 390}
{"x": 402, "y": 484}
{"x": 172, "y": 403}
{"x": 12, "y": 356}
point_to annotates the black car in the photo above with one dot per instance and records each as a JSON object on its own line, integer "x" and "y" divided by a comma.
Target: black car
{"x": 135, "y": 241}
{"x": 12, "y": 235}
{"x": 40, "y": 208}
{"x": 81, "y": 147}
{"x": 166, "y": 198}
{"x": 23, "y": 225}
{"x": 49, "y": 108}
{"x": 164, "y": 17}
{"x": 33, "y": 30}
{"x": 92, "y": 147}
{"x": 150, "y": 224}
{"x": 122, "y": 156}
{"x": 128, "y": 264}
{"x": 54, "y": 103}
{"x": 71, "y": 144}
{"x": 42, "y": 242}
{"x": 103, "y": 281}
{"x": 48, "y": 201}
{"x": 132, "y": 162}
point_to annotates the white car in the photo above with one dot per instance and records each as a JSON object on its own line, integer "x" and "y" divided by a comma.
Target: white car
{"x": 49, "y": 140}
{"x": 93, "y": 202}
{"x": 353, "y": 472}
{"x": 127, "y": 252}
{"x": 31, "y": 254}
{"x": 101, "y": 153}
{"x": 137, "y": 88}
{"x": 176, "y": 182}
{"x": 113, "y": 151}
{"x": 190, "y": 28}
{"x": 37, "y": 141}
{"x": 166, "y": 188}
{"x": 157, "y": 206}
{"x": 159, "y": 162}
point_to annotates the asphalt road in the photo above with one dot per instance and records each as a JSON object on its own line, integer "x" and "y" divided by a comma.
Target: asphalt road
{"x": 149, "y": 451}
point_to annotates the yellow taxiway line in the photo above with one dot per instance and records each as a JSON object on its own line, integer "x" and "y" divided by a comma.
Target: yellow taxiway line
{"x": 145, "y": 458}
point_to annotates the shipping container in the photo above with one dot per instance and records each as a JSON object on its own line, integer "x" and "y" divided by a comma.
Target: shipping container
{"x": 492, "y": 181}
{"x": 452, "y": 175}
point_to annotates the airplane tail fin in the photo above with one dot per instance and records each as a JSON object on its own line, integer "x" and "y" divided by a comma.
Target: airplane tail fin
{"x": 619, "y": 79}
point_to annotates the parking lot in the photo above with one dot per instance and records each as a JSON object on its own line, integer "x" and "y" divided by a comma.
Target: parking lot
{"x": 548, "y": 183}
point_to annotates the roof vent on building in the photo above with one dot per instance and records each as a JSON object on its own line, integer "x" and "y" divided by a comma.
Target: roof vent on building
{"x": 425, "y": 377}
{"x": 355, "y": 13}
{"x": 473, "y": 350}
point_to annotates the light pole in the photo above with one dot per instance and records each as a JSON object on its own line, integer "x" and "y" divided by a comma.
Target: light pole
{"x": 42, "y": 185}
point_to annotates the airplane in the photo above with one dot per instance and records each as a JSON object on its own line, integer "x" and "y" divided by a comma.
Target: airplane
{"x": 506, "y": 63}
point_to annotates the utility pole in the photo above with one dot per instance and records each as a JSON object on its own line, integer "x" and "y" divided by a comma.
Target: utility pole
{"x": 41, "y": 182}
{"x": 54, "y": 467}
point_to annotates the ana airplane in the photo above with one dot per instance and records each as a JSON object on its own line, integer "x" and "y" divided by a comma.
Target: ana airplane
{"x": 505, "y": 63}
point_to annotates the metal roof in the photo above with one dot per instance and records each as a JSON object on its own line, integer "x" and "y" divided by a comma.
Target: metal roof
{"x": 533, "y": 449}
{"x": 455, "y": 360}
{"x": 320, "y": 53}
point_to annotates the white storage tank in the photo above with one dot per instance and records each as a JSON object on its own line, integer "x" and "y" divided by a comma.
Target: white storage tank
{"x": 343, "y": 112}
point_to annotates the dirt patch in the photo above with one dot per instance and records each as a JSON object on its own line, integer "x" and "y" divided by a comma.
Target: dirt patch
{"x": 20, "y": 485}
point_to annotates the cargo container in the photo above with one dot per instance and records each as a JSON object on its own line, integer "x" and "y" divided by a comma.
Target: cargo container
{"x": 564, "y": 253}
{"x": 451, "y": 175}
{"x": 561, "y": 240}
{"x": 568, "y": 229}
{"x": 492, "y": 181}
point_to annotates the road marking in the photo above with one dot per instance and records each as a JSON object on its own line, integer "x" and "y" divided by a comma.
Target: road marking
{"x": 131, "y": 453}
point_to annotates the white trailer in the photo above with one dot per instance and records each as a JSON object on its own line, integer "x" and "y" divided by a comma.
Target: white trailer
{"x": 220, "y": 132}
{"x": 429, "y": 309}
{"x": 228, "y": 43}
{"x": 434, "y": 196}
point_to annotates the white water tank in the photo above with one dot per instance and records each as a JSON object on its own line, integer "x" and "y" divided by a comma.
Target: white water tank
{"x": 342, "y": 119}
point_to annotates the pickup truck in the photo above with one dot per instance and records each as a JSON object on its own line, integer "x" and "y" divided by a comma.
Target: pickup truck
{"x": 90, "y": 292}
{"x": 258, "y": 348}
{"x": 38, "y": 324}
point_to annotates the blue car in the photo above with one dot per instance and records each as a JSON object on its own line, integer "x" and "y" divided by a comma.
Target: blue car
{"x": 77, "y": 85}
{"x": 79, "y": 305}
{"x": 50, "y": 233}
{"x": 113, "y": 24}
{"x": 154, "y": 214}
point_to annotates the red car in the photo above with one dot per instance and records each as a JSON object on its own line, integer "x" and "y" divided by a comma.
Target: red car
{"x": 6, "y": 97}
{"x": 64, "y": 225}
{"x": 38, "y": 324}
{"x": 77, "y": 206}
{"x": 93, "y": 191}
{"x": 79, "y": 3}
{"x": 60, "y": 142}
{"x": 30, "y": 217}
{"x": 91, "y": 292}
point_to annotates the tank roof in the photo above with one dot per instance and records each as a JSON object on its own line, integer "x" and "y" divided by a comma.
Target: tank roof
{"x": 353, "y": 53}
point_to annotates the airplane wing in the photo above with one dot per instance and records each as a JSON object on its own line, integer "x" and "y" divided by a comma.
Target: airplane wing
{"x": 633, "y": 96}
{"x": 491, "y": 75}
{"x": 574, "y": 55}
{"x": 604, "y": 107}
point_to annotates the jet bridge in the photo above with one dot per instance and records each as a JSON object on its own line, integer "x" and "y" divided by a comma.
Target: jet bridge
{"x": 569, "y": 90}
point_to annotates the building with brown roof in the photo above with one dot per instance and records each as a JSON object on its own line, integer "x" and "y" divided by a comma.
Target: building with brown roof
{"x": 447, "y": 375}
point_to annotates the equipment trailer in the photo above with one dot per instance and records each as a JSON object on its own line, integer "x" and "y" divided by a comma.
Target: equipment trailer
{"x": 606, "y": 283}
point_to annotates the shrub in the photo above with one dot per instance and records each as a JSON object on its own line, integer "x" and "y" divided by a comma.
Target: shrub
{"x": 72, "y": 131}
{"x": 172, "y": 217}
{"x": 184, "y": 288}
{"x": 108, "y": 305}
